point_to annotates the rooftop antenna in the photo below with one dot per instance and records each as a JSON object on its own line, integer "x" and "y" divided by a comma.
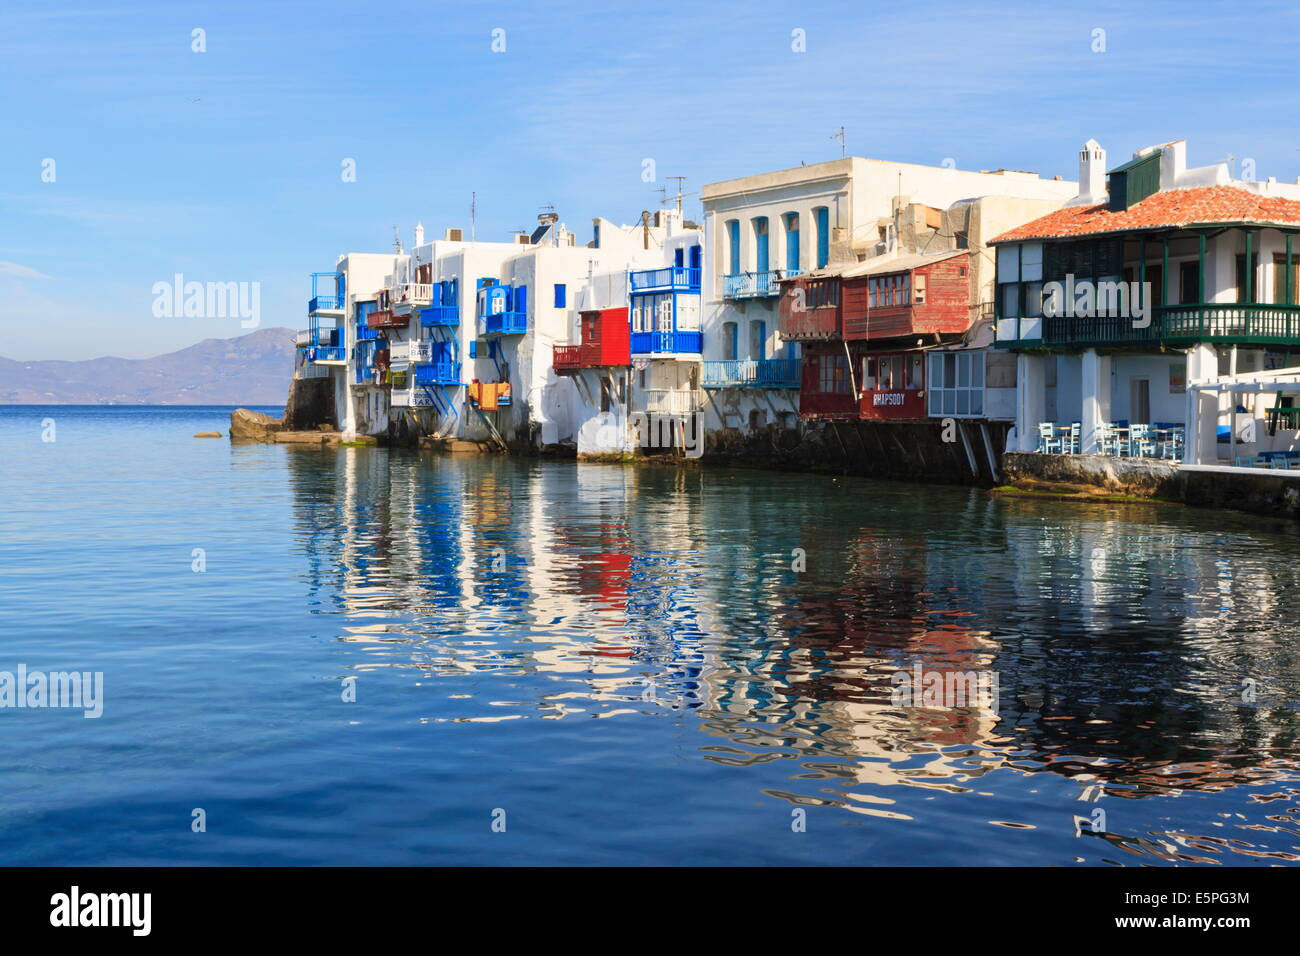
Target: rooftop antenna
{"x": 397, "y": 240}
{"x": 839, "y": 134}
{"x": 680, "y": 180}
{"x": 1229, "y": 160}
{"x": 473, "y": 216}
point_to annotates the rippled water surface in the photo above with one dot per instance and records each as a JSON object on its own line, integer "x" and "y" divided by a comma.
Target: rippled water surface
{"x": 621, "y": 664}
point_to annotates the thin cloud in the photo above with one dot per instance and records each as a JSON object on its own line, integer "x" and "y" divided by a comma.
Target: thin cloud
{"x": 20, "y": 271}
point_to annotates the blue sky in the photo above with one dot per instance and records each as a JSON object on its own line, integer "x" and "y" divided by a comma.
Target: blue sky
{"x": 225, "y": 165}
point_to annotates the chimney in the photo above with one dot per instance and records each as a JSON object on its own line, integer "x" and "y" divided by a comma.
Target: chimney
{"x": 1092, "y": 172}
{"x": 419, "y": 234}
{"x": 1173, "y": 164}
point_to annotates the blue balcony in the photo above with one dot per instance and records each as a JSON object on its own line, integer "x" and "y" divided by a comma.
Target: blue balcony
{"x": 667, "y": 279}
{"x": 324, "y": 303}
{"x": 438, "y": 373}
{"x": 756, "y": 285}
{"x": 670, "y": 343}
{"x": 324, "y": 353}
{"x": 441, "y": 315}
{"x": 327, "y": 292}
{"x": 761, "y": 373}
{"x": 505, "y": 323}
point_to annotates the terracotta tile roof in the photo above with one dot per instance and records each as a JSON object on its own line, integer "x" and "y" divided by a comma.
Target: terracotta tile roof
{"x": 1204, "y": 205}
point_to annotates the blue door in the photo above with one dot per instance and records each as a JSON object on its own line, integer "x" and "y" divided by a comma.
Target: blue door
{"x": 823, "y": 236}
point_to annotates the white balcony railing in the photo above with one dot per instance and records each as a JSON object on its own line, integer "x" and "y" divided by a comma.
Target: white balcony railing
{"x": 673, "y": 401}
{"x": 413, "y": 294}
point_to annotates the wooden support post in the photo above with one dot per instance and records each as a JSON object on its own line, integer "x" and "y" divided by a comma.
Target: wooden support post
{"x": 1290, "y": 274}
{"x": 1250, "y": 267}
{"x": 1164, "y": 271}
{"x": 1200, "y": 272}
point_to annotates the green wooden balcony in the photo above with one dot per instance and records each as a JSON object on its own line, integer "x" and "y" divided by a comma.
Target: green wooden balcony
{"x": 1176, "y": 325}
{"x": 1242, "y": 324}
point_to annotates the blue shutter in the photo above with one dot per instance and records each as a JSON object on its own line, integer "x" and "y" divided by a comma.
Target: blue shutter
{"x": 823, "y": 236}
{"x": 792, "y": 242}
{"x": 733, "y": 235}
{"x": 560, "y": 295}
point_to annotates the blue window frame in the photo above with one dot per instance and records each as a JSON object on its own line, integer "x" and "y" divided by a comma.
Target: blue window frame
{"x": 730, "y": 344}
{"x": 760, "y": 243}
{"x": 823, "y": 215}
{"x": 561, "y": 295}
{"x": 792, "y": 241}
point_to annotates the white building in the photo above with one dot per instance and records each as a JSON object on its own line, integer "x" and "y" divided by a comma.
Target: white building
{"x": 455, "y": 339}
{"x": 1155, "y": 282}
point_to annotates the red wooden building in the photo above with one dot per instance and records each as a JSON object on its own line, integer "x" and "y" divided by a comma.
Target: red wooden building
{"x": 606, "y": 340}
{"x": 864, "y": 329}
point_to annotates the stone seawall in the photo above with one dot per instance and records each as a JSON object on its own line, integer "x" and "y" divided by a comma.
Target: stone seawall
{"x": 1272, "y": 493}
{"x": 959, "y": 453}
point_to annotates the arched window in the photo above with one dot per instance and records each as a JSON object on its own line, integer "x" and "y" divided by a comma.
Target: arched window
{"x": 792, "y": 242}
{"x": 823, "y": 216}
{"x": 758, "y": 339}
{"x": 760, "y": 244}
{"x": 733, "y": 246}
{"x": 729, "y": 343}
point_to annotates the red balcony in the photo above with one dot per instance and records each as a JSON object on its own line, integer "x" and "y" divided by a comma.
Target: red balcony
{"x": 911, "y": 295}
{"x": 606, "y": 340}
{"x": 889, "y": 386}
{"x": 385, "y": 319}
{"x": 809, "y": 310}
{"x": 567, "y": 358}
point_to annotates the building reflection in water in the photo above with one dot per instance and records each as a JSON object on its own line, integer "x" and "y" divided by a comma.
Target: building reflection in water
{"x": 1120, "y": 636}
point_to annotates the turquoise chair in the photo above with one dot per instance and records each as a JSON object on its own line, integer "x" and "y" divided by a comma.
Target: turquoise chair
{"x": 1107, "y": 439}
{"x": 1047, "y": 440}
{"x": 1140, "y": 443}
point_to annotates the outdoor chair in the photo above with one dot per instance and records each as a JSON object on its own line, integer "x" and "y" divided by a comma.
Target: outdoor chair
{"x": 1047, "y": 440}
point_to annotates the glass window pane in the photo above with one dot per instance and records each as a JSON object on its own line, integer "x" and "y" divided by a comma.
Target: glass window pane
{"x": 1031, "y": 261}
{"x": 963, "y": 402}
{"x": 1010, "y": 301}
{"x": 1033, "y": 299}
{"x": 1008, "y": 263}
{"x": 977, "y": 369}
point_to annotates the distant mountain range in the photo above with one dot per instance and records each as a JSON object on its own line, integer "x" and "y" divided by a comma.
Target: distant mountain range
{"x": 253, "y": 369}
